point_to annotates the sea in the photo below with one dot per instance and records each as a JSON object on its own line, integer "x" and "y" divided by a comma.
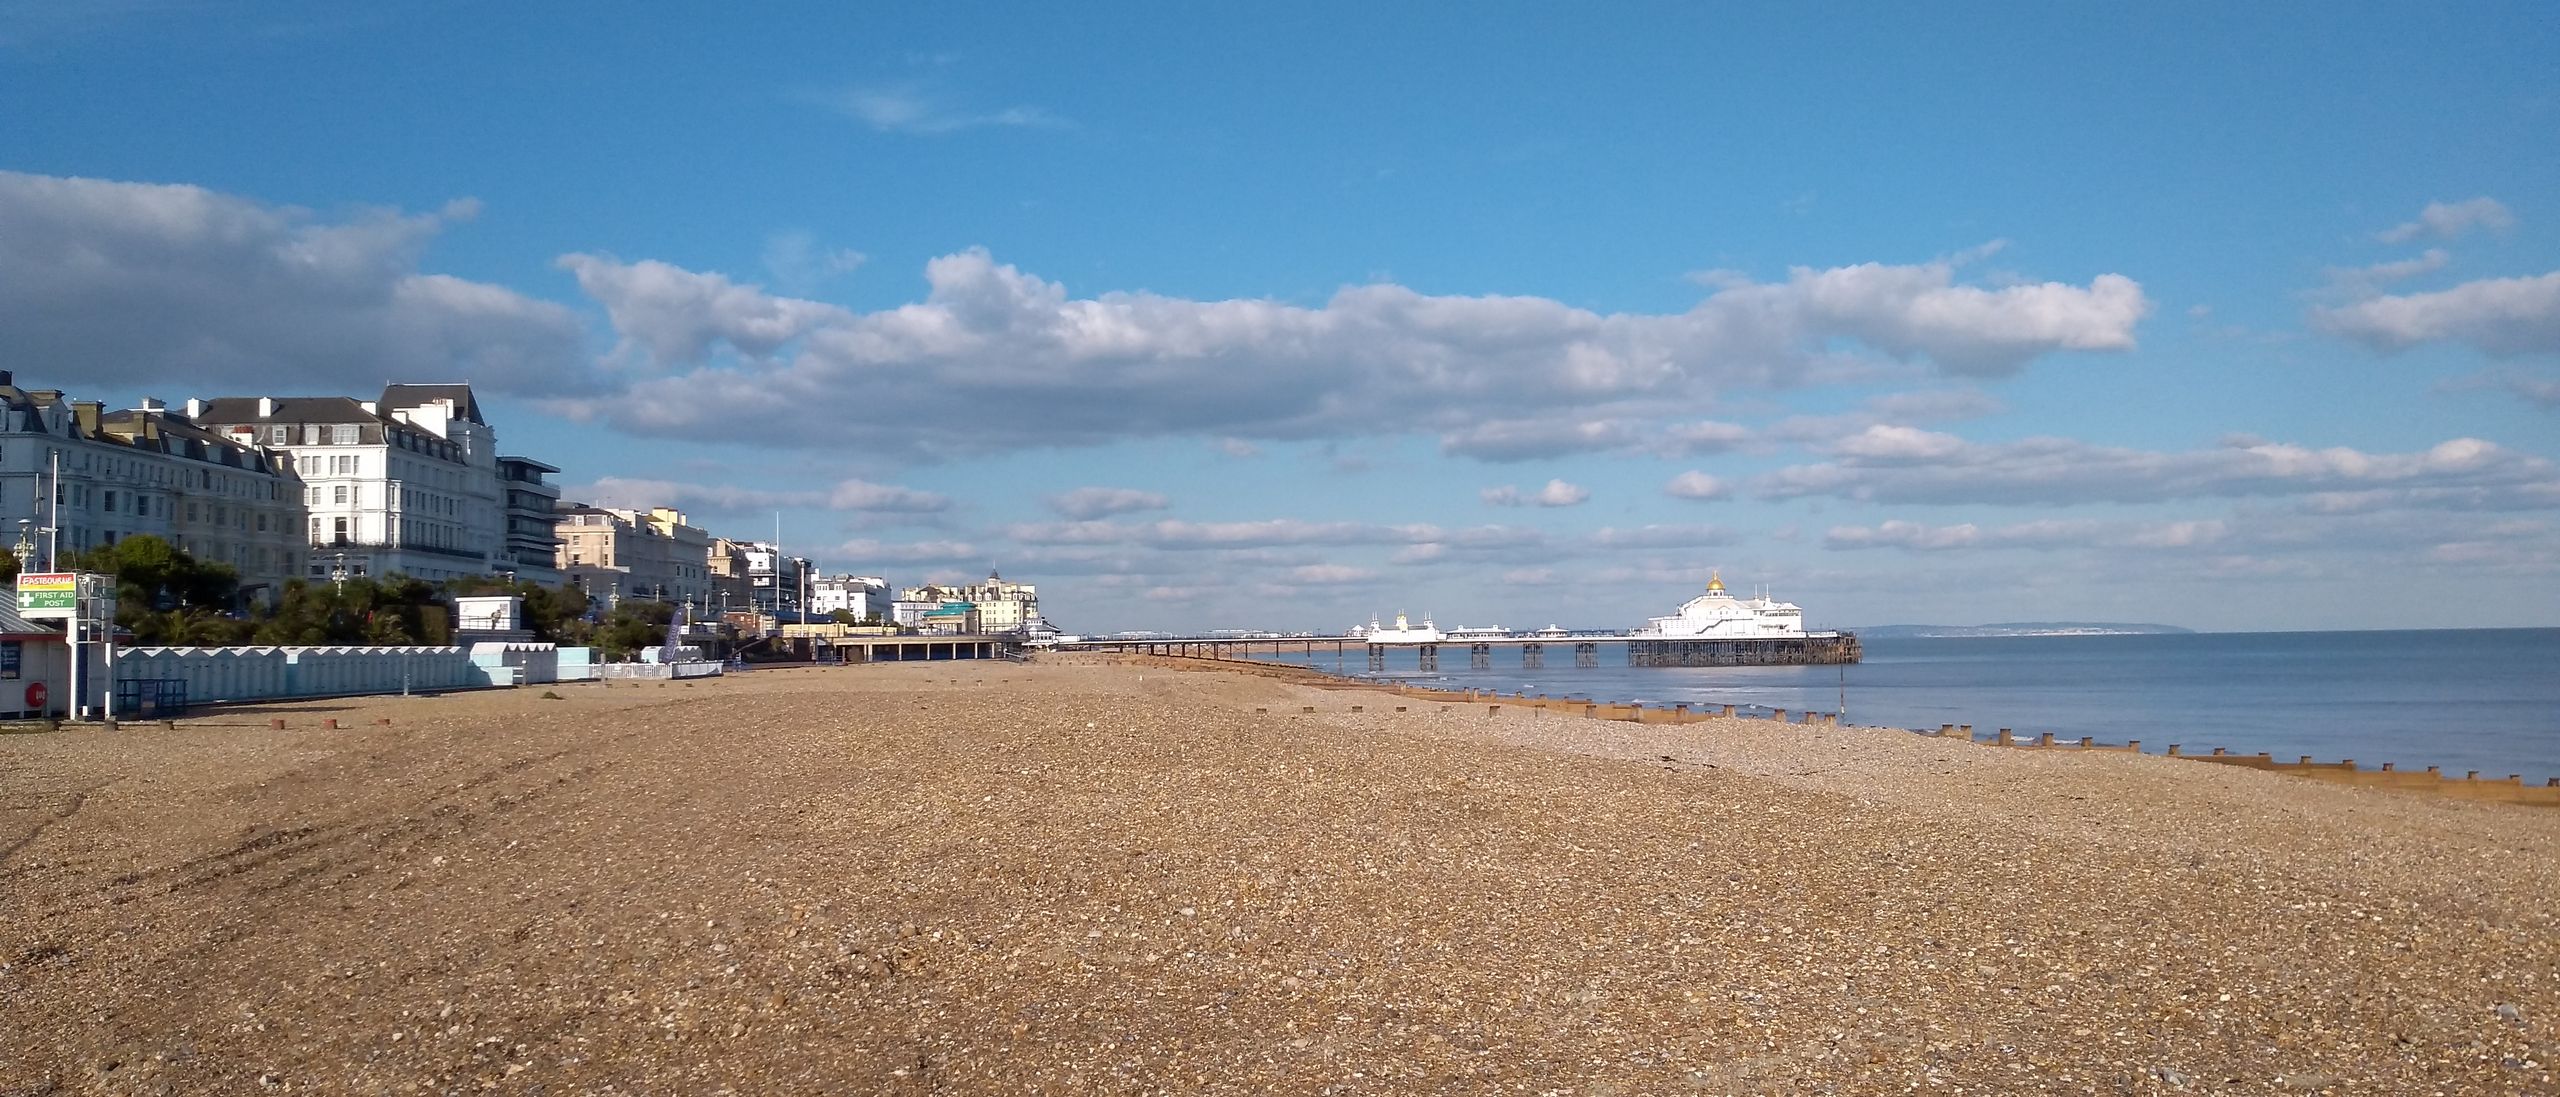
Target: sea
{"x": 2462, "y": 699}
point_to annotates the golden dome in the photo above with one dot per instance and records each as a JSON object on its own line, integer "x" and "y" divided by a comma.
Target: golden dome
{"x": 1715, "y": 582}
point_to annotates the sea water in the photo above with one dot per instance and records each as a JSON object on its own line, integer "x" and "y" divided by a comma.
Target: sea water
{"x": 2472, "y": 699}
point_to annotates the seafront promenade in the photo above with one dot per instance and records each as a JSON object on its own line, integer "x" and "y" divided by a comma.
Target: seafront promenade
{"x": 1081, "y": 877}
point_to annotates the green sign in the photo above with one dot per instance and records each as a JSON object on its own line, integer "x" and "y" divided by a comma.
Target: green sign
{"x": 48, "y": 594}
{"x": 48, "y": 599}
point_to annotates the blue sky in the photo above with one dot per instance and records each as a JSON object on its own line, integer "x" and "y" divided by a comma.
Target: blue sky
{"x": 1200, "y": 318}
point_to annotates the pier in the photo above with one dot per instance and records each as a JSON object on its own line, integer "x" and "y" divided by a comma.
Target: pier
{"x": 1819, "y": 649}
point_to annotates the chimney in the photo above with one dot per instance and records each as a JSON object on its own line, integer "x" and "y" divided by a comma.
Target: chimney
{"x": 87, "y": 412}
{"x": 266, "y": 407}
{"x": 195, "y": 409}
{"x": 151, "y": 405}
{"x": 8, "y": 377}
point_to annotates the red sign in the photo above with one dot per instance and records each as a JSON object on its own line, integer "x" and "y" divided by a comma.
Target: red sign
{"x": 36, "y": 695}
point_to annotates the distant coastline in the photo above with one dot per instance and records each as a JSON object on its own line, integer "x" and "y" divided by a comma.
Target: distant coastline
{"x": 2020, "y": 628}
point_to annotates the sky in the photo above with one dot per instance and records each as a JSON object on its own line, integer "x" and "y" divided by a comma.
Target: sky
{"x": 2228, "y": 317}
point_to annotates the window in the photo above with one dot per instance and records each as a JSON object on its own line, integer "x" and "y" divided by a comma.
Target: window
{"x": 342, "y": 529}
{"x": 310, "y": 434}
{"x": 277, "y": 434}
{"x": 111, "y": 502}
{"x": 343, "y": 434}
{"x": 339, "y": 494}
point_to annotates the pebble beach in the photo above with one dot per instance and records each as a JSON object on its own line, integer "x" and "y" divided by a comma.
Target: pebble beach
{"x": 1097, "y": 877}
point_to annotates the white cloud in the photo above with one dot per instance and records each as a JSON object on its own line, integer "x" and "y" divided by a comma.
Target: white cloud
{"x": 2047, "y": 534}
{"x": 1329, "y": 574}
{"x": 910, "y": 110}
{"x": 1936, "y": 405}
{"x": 2365, "y": 281}
{"x": 670, "y": 316}
{"x": 116, "y": 284}
{"x": 2450, "y": 219}
{"x": 961, "y": 556}
{"x": 1923, "y": 467}
{"x": 1881, "y": 443}
{"x": 2499, "y": 316}
{"x": 1557, "y": 493}
{"x": 2538, "y": 389}
{"x": 1694, "y": 484}
{"x": 845, "y": 495}
{"x": 1546, "y": 437}
{"x": 799, "y": 265}
{"x": 989, "y": 341}
{"x": 1658, "y": 537}
{"x": 1084, "y": 504}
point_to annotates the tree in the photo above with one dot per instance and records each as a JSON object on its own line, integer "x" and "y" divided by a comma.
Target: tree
{"x": 164, "y": 595}
{"x": 631, "y": 626}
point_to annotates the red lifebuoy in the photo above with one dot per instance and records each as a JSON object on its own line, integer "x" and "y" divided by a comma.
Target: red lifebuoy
{"x": 36, "y": 695}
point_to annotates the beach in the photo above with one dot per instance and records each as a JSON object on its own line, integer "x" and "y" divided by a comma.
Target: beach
{"x": 1072, "y": 877}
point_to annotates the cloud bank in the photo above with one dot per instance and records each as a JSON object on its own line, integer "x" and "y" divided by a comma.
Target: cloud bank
{"x": 705, "y": 356}
{"x": 132, "y": 284}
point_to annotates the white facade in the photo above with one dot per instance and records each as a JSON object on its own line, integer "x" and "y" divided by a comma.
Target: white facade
{"x": 1718, "y": 615}
{"x": 1002, "y": 604}
{"x": 773, "y": 579}
{"x": 860, "y": 595}
{"x": 405, "y": 485}
{"x": 1404, "y": 632}
{"x": 122, "y": 474}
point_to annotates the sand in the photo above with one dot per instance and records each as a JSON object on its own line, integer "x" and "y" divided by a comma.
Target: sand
{"x": 1083, "y": 878}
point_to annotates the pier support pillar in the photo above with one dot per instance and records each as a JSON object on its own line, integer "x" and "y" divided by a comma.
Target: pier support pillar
{"x": 1377, "y": 658}
{"x": 1533, "y": 656}
{"x": 1586, "y": 655}
{"x": 1480, "y": 656}
{"x": 1429, "y": 654}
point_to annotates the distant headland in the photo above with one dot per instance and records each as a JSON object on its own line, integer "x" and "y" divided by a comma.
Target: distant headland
{"x": 2019, "y": 628}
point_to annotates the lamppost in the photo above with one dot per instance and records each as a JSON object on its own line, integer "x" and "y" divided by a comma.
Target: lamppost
{"x": 25, "y": 550}
{"x": 338, "y": 571}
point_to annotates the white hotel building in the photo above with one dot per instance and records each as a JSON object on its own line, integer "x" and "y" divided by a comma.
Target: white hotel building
{"x": 408, "y": 484}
